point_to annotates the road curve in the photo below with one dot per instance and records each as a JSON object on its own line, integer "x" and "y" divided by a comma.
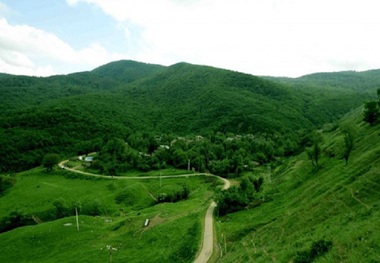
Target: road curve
{"x": 208, "y": 232}
{"x": 61, "y": 165}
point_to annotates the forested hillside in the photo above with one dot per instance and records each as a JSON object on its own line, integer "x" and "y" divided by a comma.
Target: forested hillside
{"x": 344, "y": 81}
{"x": 74, "y": 113}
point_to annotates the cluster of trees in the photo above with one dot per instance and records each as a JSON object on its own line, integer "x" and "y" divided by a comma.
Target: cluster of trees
{"x": 372, "y": 110}
{"x": 314, "y": 148}
{"x": 174, "y": 196}
{"x": 237, "y": 198}
{"x": 221, "y": 154}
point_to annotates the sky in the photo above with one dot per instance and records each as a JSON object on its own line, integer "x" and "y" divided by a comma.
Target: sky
{"x": 260, "y": 37}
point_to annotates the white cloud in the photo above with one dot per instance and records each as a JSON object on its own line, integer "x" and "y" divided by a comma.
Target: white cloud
{"x": 287, "y": 37}
{"x": 31, "y": 51}
{"x": 262, "y": 37}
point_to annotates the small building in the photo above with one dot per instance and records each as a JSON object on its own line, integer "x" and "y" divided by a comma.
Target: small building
{"x": 88, "y": 159}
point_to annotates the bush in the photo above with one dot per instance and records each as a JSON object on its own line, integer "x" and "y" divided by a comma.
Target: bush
{"x": 15, "y": 219}
{"x": 5, "y": 184}
{"x": 62, "y": 209}
{"x": 92, "y": 208}
{"x": 231, "y": 200}
{"x": 317, "y": 249}
{"x": 174, "y": 195}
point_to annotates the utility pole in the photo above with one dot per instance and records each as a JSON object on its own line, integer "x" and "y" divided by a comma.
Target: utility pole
{"x": 160, "y": 179}
{"x": 225, "y": 244}
{"x": 188, "y": 165}
{"x": 77, "y": 219}
{"x": 110, "y": 249}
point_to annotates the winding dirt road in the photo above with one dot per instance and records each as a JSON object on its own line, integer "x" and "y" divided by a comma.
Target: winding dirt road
{"x": 208, "y": 232}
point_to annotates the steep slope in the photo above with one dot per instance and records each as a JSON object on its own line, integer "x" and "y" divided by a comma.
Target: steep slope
{"x": 189, "y": 99}
{"x": 331, "y": 214}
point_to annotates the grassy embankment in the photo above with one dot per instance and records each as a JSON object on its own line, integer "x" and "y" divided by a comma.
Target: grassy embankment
{"x": 333, "y": 212}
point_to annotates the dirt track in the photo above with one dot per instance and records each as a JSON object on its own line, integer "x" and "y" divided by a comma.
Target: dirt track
{"x": 208, "y": 232}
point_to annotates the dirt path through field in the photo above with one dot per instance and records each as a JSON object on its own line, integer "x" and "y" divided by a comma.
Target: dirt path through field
{"x": 208, "y": 231}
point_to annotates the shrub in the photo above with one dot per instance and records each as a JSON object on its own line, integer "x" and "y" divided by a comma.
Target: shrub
{"x": 231, "y": 200}
{"x": 317, "y": 249}
{"x": 15, "y": 219}
{"x": 62, "y": 210}
{"x": 92, "y": 208}
{"x": 174, "y": 195}
{"x": 5, "y": 184}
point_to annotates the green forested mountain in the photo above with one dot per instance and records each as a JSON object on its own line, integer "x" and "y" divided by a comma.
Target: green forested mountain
{"x": 344, "y": 81}
{"x": 70, "y": 114}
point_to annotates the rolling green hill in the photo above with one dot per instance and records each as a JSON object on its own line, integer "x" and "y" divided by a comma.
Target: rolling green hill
{"x": 329, "y": 215}
{"x": 66, "y": 114}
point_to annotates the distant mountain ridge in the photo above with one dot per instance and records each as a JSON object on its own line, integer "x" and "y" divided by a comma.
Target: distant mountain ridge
{"x": 363, "y": 81}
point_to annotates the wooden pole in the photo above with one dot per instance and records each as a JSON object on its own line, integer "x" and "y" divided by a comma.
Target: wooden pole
{"x": 76, "y": 215}
{"x": 160, "y": 180}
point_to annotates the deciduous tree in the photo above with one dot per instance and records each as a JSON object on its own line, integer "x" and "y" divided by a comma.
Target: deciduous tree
{"x": 50, "y": 160}
{"x": 315, "y": 150}
{"x": 371, "y": 112}
{"x": 349, "y": 134}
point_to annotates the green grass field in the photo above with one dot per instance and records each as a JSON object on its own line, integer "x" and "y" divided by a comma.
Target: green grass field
{"x": 337, "y": 204}
{"x": 121, "y": 207}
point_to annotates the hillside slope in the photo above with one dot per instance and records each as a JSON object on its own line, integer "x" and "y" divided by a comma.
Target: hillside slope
{"x": 331, "y": 215}
{"x": 70, "y": 114}
{"x": 190, "y": 99}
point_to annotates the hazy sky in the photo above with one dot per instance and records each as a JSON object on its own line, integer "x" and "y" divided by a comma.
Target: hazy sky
{"x": 260, "y": 37}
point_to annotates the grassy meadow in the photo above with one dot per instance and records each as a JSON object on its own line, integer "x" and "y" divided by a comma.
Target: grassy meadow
{"x": 111, "y": 212}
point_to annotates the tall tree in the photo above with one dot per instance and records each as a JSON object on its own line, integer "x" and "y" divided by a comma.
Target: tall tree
{"x": 49, "y": 161}
{"x": 315, "y": 150}
{"x": 349, "y": 134}
{"x": 371, "y": 112}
